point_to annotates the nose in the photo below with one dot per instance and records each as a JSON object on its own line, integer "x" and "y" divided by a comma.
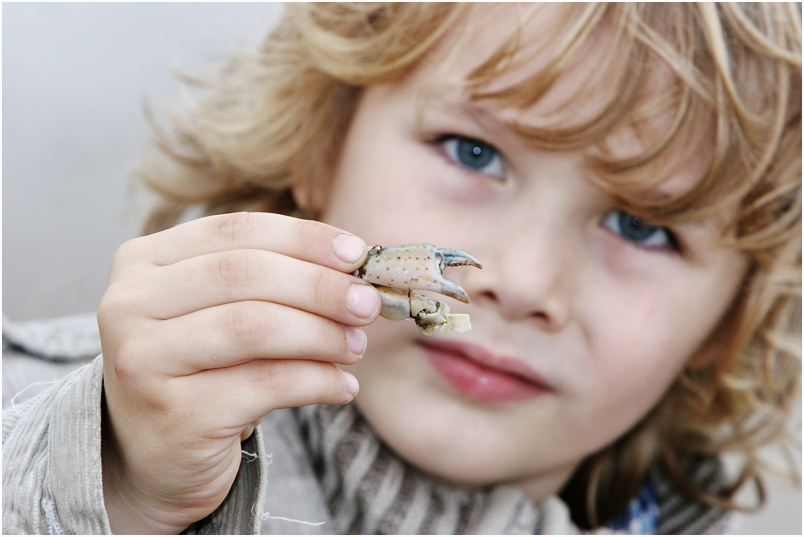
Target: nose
{"x": 527, "y": 275}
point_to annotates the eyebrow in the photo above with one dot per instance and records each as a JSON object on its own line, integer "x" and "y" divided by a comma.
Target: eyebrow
{"x": 455, "y": 104}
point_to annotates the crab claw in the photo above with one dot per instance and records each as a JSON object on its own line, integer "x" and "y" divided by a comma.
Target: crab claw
{"x": 456, "y": 258}
{"x": 415, "y": 266}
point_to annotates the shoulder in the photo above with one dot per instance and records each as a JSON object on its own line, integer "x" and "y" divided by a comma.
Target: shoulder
{"x": 36, "y": 353}
{"x": 680, "y": 513}
{"x": 51, "y": 427}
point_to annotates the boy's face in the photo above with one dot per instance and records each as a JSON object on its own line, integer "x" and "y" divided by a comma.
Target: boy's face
{"x": 581, "y": 316}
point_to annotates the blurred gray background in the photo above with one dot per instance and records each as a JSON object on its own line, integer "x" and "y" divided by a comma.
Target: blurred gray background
{"x": 75, "y": 79}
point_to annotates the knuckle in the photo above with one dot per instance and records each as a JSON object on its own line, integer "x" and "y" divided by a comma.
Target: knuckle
{"x": 109, "y": 305}
{"x": 317, "y": 236}
{"x": 173, "y": 397}
{"x": 128, "y": 248}
{"x": 331, "y": 385}
{"x": 300, "y": 382}
{"x": 328, "y": 287}
{"x": 116, "y": 302}
{"x": 127, "y": 253}
{"x": 276, "y": 376}
{"x": 335, "y": 382}
{"x": 320, "y": 285}
{"x": 310, "y": 230}
{"x": 124, "y": 367}
{"x": 132, "y": 371}
{"x": 235, "y": 268}
{"x": 234, "y": 228}
{"x": 126, "y": 360}
{"x": 247, "y": 324}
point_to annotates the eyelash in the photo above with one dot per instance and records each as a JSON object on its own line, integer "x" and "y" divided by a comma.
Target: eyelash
{"x": 489, "y": 159}
{"x": 616, "y": 220}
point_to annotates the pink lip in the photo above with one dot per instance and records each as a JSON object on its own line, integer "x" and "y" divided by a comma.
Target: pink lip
{"x": 480, "y": 374}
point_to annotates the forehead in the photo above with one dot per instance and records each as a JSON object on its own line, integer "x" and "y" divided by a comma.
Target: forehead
{"x": 559, "y": 67}
{"x": 502, "y": 47}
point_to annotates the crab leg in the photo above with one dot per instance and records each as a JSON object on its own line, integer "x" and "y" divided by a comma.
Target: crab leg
{"x": 427, "y": 313}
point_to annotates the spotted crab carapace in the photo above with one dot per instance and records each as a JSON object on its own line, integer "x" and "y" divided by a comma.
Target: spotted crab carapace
{"x": 397, "y": 270}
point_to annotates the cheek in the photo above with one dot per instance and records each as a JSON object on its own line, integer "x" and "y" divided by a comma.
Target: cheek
{"x": 384, "y": 204}
{"x": 355, "y": 205}
{"x": 640, "y": 347}
{"x": 371, "y": 197}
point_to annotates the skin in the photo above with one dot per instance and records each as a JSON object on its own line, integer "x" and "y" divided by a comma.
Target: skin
{"x": 607, "y": 321}
{"x": 211, "y": 325}
{"x": 205, "y": 329}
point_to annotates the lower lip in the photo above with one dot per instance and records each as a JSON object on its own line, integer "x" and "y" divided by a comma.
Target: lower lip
{"x": 478, "y": 382}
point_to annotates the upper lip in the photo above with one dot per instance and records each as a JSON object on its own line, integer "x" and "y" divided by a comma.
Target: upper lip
{"x": 479, "y": 354}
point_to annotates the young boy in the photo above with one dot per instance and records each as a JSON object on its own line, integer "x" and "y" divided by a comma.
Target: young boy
{"x": 629, "y": 177}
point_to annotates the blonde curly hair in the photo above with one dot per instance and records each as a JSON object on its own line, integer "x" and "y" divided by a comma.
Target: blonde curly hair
{"x": 275, "y": 119}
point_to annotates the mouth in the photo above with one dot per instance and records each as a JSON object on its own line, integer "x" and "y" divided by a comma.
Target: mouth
{"x": 480, "y": 374}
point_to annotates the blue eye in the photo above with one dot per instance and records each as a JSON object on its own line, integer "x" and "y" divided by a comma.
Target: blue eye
{"x": 475, "y": 155}
{"x": 635, "y": 229}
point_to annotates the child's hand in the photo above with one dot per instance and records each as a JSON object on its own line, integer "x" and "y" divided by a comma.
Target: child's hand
{"x": 206, "y": 328}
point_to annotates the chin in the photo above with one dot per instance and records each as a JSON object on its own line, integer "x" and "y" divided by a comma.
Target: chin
{"x": 437, "y": 445}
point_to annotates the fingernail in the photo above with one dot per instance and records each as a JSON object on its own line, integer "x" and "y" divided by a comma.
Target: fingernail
{"x": 352, "y": 386}
{"x": 362, "y": 300}
{"x": 349, "y": 248}
{"x": 356, "y": 340}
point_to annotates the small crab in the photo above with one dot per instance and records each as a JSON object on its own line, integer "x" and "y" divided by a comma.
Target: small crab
{"x": 396, "y": 270}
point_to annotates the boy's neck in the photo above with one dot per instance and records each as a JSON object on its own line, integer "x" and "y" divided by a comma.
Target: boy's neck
{"x": 539, "y": 487}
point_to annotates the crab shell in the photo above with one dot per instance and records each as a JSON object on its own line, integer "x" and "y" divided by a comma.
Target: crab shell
{"x": 415, "y": 266}
{"x": 396, "y": 270}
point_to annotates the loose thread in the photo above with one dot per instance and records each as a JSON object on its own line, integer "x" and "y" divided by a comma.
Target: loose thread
{"x": 44, "y": 382}
{"x": 264, "y": 516}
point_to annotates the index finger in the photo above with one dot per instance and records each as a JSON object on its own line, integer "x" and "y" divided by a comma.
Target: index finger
{"x": 307, "y": 240}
